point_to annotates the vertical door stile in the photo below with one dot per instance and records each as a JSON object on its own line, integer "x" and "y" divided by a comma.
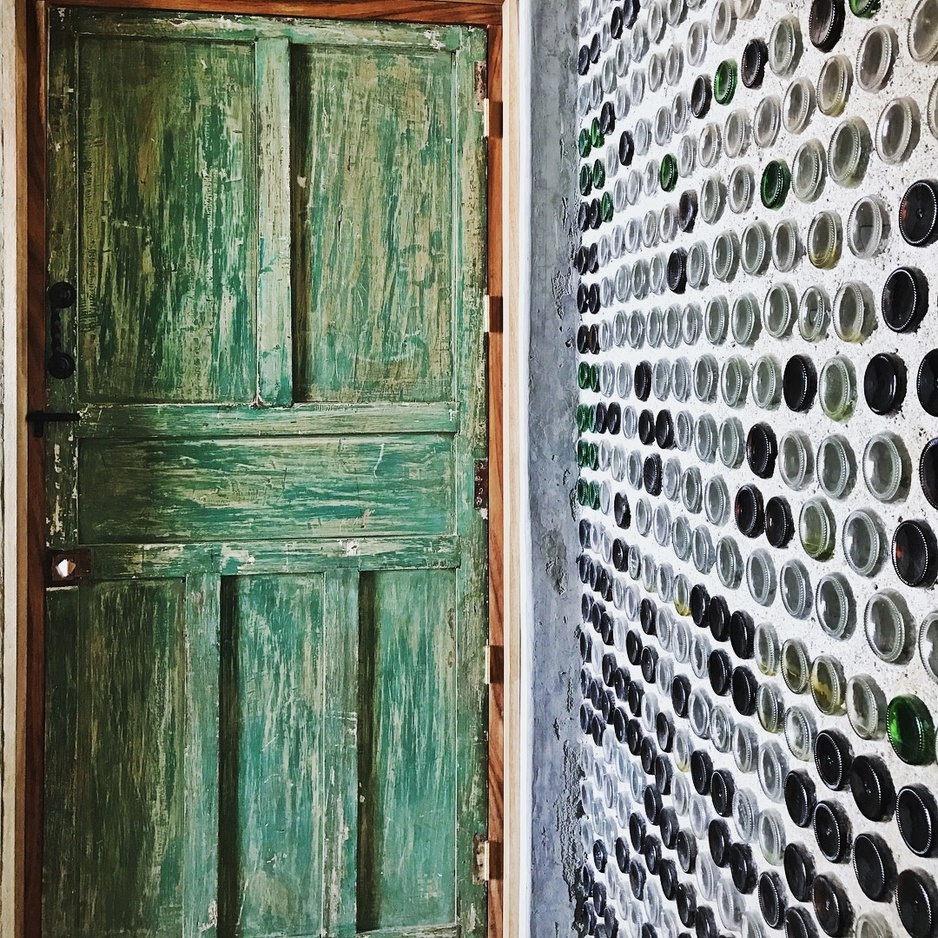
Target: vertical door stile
{"x": 60, "y": 908}
{"x": 340, "y": 753}
{"x": 201, "y": 770}
{"x": 274, "y": 302}
{"x": 62, "y": 264}
{"x": 471, "y": 443}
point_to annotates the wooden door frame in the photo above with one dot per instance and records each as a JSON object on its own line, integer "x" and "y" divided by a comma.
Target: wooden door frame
{"x": 22, "y": 301}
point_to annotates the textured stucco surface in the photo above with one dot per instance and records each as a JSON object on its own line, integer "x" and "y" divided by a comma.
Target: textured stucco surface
{"x": 553, "y": 399}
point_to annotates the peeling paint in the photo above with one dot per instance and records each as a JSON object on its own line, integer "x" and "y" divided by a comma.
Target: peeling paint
{"x": 302, "y": 574}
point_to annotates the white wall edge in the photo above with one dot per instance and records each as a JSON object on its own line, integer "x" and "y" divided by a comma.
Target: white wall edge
{"x": 522, "y": 349}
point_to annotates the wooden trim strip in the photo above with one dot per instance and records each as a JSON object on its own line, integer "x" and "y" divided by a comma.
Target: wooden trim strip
{"x": 31, "y": 615}
{"x": 339, "y": 756}
{"x": 496, "y": 771}
{"x": 14, "y": 111}
{"x": 212, "y": 28}
{"x": 461, "y": 12}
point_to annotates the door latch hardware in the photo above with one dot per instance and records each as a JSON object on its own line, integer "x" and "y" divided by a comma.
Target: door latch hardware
{"x": 481, "y": 865}
{"x": 480, "y": 488}
{"x": 67, "y": 567}
{"x": 39, "y": 418}
{"x": 60, "y": 365}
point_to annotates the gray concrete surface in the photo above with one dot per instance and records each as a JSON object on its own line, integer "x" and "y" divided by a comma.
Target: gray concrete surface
{"x": 552, "y": 429}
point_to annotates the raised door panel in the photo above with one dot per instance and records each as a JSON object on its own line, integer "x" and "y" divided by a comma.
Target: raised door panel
{"x": 165, "y": 142}
{"x": 212, "y": 490}
{"x": 373, "y": 177}
{"x": 127, "y": 745}
{"x": 271, "y": 811}
{"x": 407, "y": 749}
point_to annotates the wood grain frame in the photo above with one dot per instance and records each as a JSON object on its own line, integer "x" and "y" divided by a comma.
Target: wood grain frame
{"x": 25, "y": 894}
{"x": 458, "y": 12}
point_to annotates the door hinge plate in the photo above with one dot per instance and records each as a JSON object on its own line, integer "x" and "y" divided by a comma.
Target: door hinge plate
{"x": 481, "y": 859}
{"x": 480, "y": 485}
{"x": 67, "y": 567}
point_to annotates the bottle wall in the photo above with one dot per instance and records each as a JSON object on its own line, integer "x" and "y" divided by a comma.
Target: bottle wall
{"x": 757, "y": 484}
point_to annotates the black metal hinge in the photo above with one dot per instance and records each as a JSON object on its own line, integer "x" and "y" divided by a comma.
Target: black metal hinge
{"x": 38, "y": 419}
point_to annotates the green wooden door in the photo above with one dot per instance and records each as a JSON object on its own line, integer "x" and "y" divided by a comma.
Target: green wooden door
{"x": 265, "y": 701}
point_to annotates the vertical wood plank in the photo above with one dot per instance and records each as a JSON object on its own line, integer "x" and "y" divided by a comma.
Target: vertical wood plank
{"x": 374, "y": 247}
{"x": 24, "y": 487}
{"x": 128, "y": 780}
{"x": 469, "y": 214}
{"x": 340, "y": 754}
{"x": 60, "y": 905}
{"x": 62, "y": 264}
{"x": 203, "y": 613}
{"x": 274, "y": 319}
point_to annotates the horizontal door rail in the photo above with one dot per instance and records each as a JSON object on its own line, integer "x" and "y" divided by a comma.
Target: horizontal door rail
{"x": 143, "y": 421}
{"x": 120, "y": 561}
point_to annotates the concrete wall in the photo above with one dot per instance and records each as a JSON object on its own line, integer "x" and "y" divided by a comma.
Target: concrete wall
{"x": 552, "y": 433}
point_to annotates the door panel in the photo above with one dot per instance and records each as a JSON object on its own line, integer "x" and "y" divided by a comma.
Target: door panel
{"x": 178, "y": 490}
{"x": 271, "y": 807}
{"x": 265, "y": 696}
{"x": 373, "y": 183}
{"x": 116, "y": 856}
{"x": 406, "y": 849}
{"x": 167, "y": 183}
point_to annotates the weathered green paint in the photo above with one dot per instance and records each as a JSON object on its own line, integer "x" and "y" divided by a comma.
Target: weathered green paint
{"x": 274, "y": 268}
{"x": 201, "y": 758}
{"x": 266, "y": 708}
{"x": 205, "y": 490}
{"x": 273, "y": 696}
{"x": 166, "y": 220}
{"x": 117, "y": 784}
{"x": 342, "y": 890}
{"x": 369, "y": 240}
{"x": 407, "y": 850}
{"x": 120, "y": 561}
